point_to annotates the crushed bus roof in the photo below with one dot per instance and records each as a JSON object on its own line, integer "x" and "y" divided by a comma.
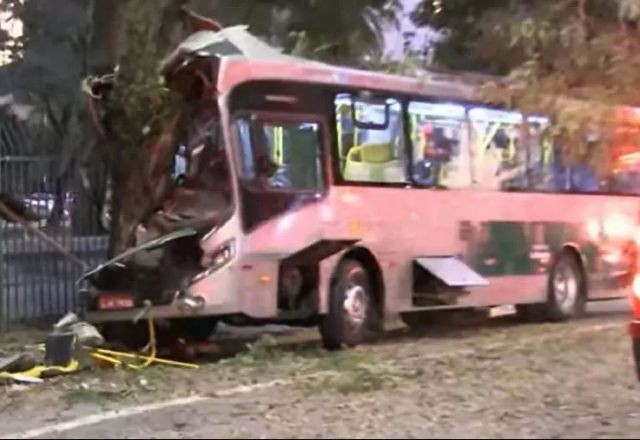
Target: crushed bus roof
{"x": 235, "y": 41}
{"x": 250, "y": 57}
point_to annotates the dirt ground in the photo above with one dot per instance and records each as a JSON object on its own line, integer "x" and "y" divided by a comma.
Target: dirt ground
{"x": 491, "y": 381}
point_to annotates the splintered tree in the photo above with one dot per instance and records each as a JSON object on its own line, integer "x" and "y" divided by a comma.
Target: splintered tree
{"x": 140, "y": 113}
{"x": 574, "y": 60}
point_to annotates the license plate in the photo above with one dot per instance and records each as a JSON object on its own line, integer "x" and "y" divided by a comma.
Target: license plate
{"x": 115, "y": 301}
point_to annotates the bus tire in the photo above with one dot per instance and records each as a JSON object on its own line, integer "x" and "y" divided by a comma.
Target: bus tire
{"x": 566, "y": 292}
{"x": 351, "y": 314}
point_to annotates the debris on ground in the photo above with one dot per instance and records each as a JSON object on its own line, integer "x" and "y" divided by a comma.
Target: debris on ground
{"x": 74, "y": 345}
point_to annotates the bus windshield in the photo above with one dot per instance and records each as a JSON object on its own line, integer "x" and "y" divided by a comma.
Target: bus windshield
{"x": 280, "y": 154}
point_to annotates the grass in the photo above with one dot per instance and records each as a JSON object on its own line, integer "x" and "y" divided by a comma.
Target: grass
{"x": 87, "y": 396}
{"x": 345, "y": 372}
{"x": 357, "y": 372}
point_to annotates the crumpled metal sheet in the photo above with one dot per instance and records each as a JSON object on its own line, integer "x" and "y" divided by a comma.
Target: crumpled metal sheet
{"x": 229, "y": 42}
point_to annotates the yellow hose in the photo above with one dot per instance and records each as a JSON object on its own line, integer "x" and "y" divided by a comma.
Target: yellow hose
{"x": 152, "y": 343}
{"x": 148, "y": 360}
{"x": 157, "y": 360}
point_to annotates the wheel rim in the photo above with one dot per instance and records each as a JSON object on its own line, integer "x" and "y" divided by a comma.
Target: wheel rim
{"x": 566, "y": 287}
{"x": 355, "y": 306}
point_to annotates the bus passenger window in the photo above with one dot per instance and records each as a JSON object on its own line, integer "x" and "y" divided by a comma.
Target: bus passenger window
{"x": 280, "y": 155}
{"x": 625, "y": 177}
{"x": 544, "y": 171}
{"x": 548, "y": 170}
{"x": 440, "y": 145}
{"x": 500, "y": 156}
{"x": 370, "y": 140}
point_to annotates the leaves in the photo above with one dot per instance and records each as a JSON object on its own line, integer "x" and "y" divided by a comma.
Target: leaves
{"x": 573, "y": 60}
{"x": 331, "y": 30}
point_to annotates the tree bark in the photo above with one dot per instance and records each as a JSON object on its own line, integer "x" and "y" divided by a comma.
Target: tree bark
{"x": 142, "y": 114}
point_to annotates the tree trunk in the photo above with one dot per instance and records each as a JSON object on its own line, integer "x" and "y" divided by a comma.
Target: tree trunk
{"x": 142, "y": 114}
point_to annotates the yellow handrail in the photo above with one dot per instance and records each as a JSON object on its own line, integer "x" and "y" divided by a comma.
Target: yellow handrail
{"x": 278, "y": 145}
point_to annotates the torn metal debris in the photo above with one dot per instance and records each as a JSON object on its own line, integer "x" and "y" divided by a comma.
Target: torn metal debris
{"x": 74, "y": 346}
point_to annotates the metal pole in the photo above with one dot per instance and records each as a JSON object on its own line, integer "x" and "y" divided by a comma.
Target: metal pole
{"x": 4, "y": 312}
{"x": 16, "y": 218}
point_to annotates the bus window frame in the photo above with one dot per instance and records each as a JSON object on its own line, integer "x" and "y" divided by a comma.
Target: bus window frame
{"x": 283, "y": 118}
{"x": 334, "y": 156}
{"x": 501, "y": 116}
{"x": 406, "y": 102}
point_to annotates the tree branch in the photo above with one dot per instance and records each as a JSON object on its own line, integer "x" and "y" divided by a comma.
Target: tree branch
{"x": 582, "y": 12}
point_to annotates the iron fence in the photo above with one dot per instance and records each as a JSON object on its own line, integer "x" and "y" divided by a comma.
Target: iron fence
{"x": 38, "y": 282}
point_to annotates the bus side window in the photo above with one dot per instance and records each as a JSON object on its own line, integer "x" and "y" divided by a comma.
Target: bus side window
{"x": 440, "y": 146}
{"x": 579, "y": 176}
{"x": 370, "y": 154}
{"x": 547, "y": 171}
{"x": 500, "y": 159}
{"x": 625, "y": 177}
{"x": 583, "y": 177}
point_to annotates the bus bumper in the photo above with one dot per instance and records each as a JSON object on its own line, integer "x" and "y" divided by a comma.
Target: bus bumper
{"x": 174, "y": 310}
{"x": 634, "y": 331}
{"x": 227, "y": 291}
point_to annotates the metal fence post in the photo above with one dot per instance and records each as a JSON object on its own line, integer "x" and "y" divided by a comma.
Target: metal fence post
{"x": 4, "y": 312}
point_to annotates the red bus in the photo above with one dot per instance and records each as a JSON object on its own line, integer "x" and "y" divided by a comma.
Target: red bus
{"x": 345, "y": 197}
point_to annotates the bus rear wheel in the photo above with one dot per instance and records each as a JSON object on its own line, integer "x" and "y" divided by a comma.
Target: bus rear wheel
{"x": 566, "y": 298}
{"x": 352, "y": 308}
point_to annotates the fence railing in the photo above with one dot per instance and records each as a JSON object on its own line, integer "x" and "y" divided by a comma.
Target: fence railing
{"x": 36, "y": 281}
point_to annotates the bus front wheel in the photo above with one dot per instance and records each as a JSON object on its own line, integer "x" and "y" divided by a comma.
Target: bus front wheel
{"x": 352, "y": 307}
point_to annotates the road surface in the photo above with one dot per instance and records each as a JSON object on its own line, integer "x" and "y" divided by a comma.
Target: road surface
{"x": 494, "y": 380}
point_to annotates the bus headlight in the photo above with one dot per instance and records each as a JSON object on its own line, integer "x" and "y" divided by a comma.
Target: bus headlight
{"x": 222, "y": 255}
{"x": 217, "y": 259}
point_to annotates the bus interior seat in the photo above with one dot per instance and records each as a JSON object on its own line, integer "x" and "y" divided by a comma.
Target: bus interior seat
{"x": 374, "y": 162}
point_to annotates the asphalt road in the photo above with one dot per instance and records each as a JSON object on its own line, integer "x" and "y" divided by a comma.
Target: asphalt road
{"x": 496, "y": 380}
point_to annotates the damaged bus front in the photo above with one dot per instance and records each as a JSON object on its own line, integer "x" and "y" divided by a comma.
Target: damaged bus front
{"x": 229, "y": 177}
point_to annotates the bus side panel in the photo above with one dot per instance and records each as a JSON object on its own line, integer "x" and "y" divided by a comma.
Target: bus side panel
{"x": 509, "y": 238}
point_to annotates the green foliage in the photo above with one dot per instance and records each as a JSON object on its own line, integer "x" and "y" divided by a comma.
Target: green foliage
{"x": 331, "y": 30}
{"x": 11, "y": 45}
{"x": 476, "y": 33}
{"x": 574, "y": 60}
{"x": 140, "y": 98}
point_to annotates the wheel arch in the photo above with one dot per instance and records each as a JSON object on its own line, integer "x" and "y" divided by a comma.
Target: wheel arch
{"x": 573, "y": 249}
{"x": 365, "y": 257}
